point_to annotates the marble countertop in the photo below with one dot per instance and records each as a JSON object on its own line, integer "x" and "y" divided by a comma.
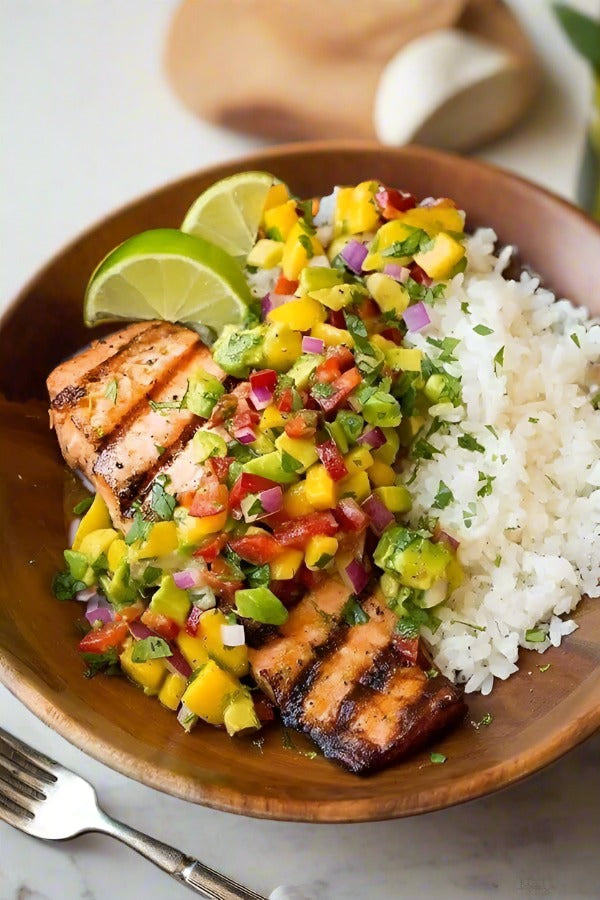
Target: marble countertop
{"x": 89, "y": 123}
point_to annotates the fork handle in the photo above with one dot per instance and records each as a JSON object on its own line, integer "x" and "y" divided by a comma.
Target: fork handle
{"x": 185, "y": 869}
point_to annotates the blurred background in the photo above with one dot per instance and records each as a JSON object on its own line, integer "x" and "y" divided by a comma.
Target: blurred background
{"x": 103, "y": 100}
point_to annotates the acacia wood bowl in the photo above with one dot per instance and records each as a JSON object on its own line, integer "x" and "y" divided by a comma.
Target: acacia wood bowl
{"x": 537, "y": 716}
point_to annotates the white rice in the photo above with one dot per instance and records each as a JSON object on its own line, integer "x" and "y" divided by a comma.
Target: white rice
{"x": 533, "y": 545}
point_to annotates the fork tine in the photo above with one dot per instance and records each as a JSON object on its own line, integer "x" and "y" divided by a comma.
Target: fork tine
{"x": 28, "y": 786}
{"x": 8, "y": 795}
{"x": 28, "y": 759}
{"x": 14, "y": 814}
{"x": 31, "y": 776}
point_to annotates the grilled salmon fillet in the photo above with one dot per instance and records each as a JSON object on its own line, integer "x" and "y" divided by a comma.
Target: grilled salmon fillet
{"x": 101, "y": 409}
{"x": 348, "y": 687}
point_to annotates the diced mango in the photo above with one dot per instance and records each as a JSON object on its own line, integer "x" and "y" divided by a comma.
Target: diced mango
{"x": 278, "y": 194}
{"x": 407, "y": 359}
{"x": 391, "y": 233}
{"x": 281, "y": 347}
{"x": 434, "y": 219}
{"x": 285, "y": 566}
{"x": 299, "y": 315}
{"x": 442, "y": 258}
{"x": 356, "y": 210}
{"x": 316, "y": 278}
{"x": 395, "y": 498}
{"x": 265, "y": 254}
{"x": 149, "y": 674}
{"x": 338, "y": 296}
{"x": 320, "y": 488}
{"x": 234, "y": 659}
{"x": 95, "y": 518}
{"x": 116, "y": 553}
{"x": 380, "y": 474}
{"x": 191, "y": 530}
{"x": 193, "y": 648}
{"x": 95, "y": 543}
{"x": 301, "y": 449}
{"x": 383, "y": 343}
{"x": 331, "y": 336}
{"x": 390, "y": 295}
{"x": 161, "y": 541}
{"x": 209, "y": 693}
{"x": 356, "y": 485}
{"x": 270, "y": 418}
{"x": 172, "y": 690}
{"x": 300, "y": 247}
{"x": 295, "y": 501}
{"x": 358, "y": 460}
{"x": 320, "y": 551}
{"x": 279, "y": 220}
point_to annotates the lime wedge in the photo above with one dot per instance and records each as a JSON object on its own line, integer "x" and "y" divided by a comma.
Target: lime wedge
{"x": 165, "y": 274}
{"x": 228, "y": 213}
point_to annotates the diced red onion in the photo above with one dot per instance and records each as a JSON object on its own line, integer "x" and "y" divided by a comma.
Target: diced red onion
{"x": 354, "y": 255}
{"x": 186, "y": 718}
{"x": 374, "y": 438}
{"x": 416, "y": 317}
{"x": 99, "y": 610}
{"x": 260, "y": 397}
{"x": 233, "y": 635}
{"x": 398, "y": 273}
{"x": 270, "y": 501}
{"x": 312, "y": 344}
{"x": 177, "y": 662}
{"x": 244, "y": 435}
{"x": 193, "y": 620}
{"x": 380, "y": 515}
{"x": 140, "y": 631}
{"x": 355, "y": 576}
{"x": 86, "y": 594}
{"x": 269, "y": 302}
{"x": 188, "y": 578}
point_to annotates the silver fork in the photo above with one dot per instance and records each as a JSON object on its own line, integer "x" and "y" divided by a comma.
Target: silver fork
{"x": 42, "y": 798}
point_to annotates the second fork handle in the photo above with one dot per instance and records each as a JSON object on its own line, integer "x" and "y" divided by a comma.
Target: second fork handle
{"x": 185, "y": 869}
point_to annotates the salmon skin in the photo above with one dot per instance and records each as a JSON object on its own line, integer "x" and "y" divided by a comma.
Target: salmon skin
{"x": 102, "y": 409}
{"x": 347, "y": 687}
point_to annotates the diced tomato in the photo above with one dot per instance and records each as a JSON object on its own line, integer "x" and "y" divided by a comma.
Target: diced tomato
{"x": 419, "y": 275}
{"x": 167, "y": 628}
{"x": 296, "y": 532}
{"x": 193, "y": 621}
{"x": 309, "y": 579}
{"x": 285, "y": 286}
{"x": 130, "y": 613}
{"x": 102, "y": 639}
{"x": 245, "y": 417}
{"x": 289, "y": 591}
{"x": 367, "y": 309}
{"x": 302, "y": 425}
{"x": 263, "y": 708}
{"x": 209, "y": 501}
{"x": 336, "y": 318}
{"x": 222, "y": 580}
{"x": 407, "y": 648}
{"x": 256, "y": 548}
{"x": 224, "y": 409}
{"x": 393, "y": 203}
{"x": 186, "y": 498}
{"x": 350, "y": 516}
{"x": 264, "y": 378}
{"x": 343, "y": 355}
{"x": 332, "y": 459}
{"x": 220, "y": 466}
{"x": 212, "y": 548}
{"x": 327, "y": 371}
{"x": 285, "y": 400}
{"x": 393, "y": 334}
{"x": 248, "y": 484}
{"x": 343, "y": 387}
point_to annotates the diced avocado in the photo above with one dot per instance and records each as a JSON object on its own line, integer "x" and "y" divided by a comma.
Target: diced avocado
{"x": 315, "y": 278}
{"x": 388, "y": 452}
{"x": 351, "y": 424}
{"x": 171, "y": 601}
{"x": 237, "y": 351}
{"x": 271, "y": 466}
{"x": 337, "y": 434}
{"x": 303, "y": 368}
{"x": 263, "y": 444}
{"x": 396, "y": 498}
{"x": 207, "y": 443}
{"x": 77, "y": 564}
{"x": 418, "y": 562}
{"x": 301, "y": 449}
{"x": 240, "y": 714}
{"x": 382, "y": 409}
{"x": 262, "y": 605}
{"x": 338, "y": 296}
{"x": 203, "y": 391}
{"x": 119, "y": 589}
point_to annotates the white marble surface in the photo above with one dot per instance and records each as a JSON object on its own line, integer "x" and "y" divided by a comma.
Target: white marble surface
{"x": 88, "y": 123}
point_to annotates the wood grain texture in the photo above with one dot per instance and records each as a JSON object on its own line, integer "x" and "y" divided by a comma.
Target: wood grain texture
{"x": 537, "y": 716}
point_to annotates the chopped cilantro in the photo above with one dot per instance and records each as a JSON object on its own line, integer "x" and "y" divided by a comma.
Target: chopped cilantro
{"x": 306, "y": 242}
{"x": 304, "y": 209}
{"x": 438, "y": 758}
{"x": 429, "y": 295}
{"x": 432, "y": 673}
{"x": 498, "y": 560}
{"x": 256, "y": 507}
{"x": 464, "y": 308}
{"x": 544, "y": 668}
{"x": 353, "y": 613}
{"x": 467, "y": 624}
{"x": 422, "y": 449}
{"x": 443, "y": 497}
{"x": 575, "y": 340}
{"x": 289, "y": 463}
{"x": 469, "y": 514}
{"x": 413, "y": 618}
{"x": 468, "y": 442}
{"x": 483, "y": 330}
{"x": 499, "y": 358}
{"x": 486, "y": 488}
{"x": 64, "y": 586}
{"x": 163, "y": 406}
{"x": 533, "y": 420}
{"x": 107, "y": 662}
{"x": 448, "y": 345}
{"x": 322, "y": 391}
{"x": 535, "y": 635}
{"x": 150, "y": 648}
{"x": 151, "y": 574}
{"x": 417, "y": 240}
{"x": 162, "y": 503}
{"x": 82, "y": 507}
{"x": 112, "y": 389}
{"x": 484, "y": 722}
{"x": 492, "y": 430}
{"x": 258, "y": 575}
{"x": 139, "y": 530}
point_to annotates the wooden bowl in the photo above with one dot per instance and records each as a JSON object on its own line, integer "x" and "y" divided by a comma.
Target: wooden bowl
{"x": 537, "y": 716}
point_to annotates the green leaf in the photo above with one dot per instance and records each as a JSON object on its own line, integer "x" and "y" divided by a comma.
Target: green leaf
{"x": 447, "y": 345}
{"x": 468, "y": 442}
{"x": 162, "y": 503}
{"x": 464, "y": 308}
{"x": 77, "y": 564}
{"x": 258, "y": 575}
{"x": 150, "y": 648}
{"x": 499, "y": 358}
{"x": 139, "y": 530}
{"x": 289, "y": 463}
{"x": 107, "y": 662}
{"x": 438, "y": 758}
{"x": 575, "y": 340}
{"x": 443, "y": 497}
{"x": 582, "y": 31}
{"x": 164, "y": 406}
{"x": 416, "y": 241}
{"x": 64, "y": 586}
{"x": 322, "y": 391}
{"x": 160, "y": 449}
{"x": 82, "y": 507}
{"x": 469, "y": 514}
{"x": 112, "y": 389}
{"x": 306, "y": 242}
{"x": 492, "y": 430}
{"x": 483, "y": 330}
{"x": 486, "y": 488}
{"x": 353, "y": 613}
{"x": 535, "y": 635}
{"x": 151, "y": 575}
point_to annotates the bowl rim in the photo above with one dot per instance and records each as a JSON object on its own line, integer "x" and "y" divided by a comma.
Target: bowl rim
{"x": 464, "y": 788}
